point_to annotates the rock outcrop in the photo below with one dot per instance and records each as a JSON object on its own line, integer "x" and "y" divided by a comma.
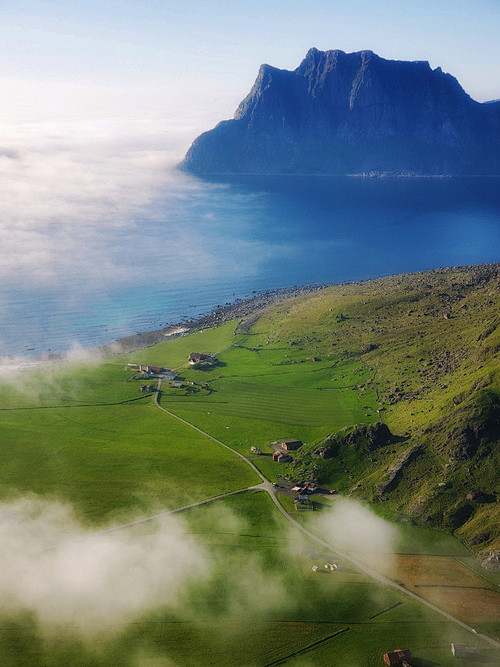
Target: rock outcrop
{"x": 367, "y": 437}
{"x": 353, "y": 113}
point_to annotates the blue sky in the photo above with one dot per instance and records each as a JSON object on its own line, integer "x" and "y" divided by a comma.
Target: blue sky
{"x": 194, "y": 60}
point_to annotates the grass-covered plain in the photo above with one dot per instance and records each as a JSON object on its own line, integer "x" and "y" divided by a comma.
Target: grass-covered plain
{"x": 84, "y": 433}
{"x": 309, "y": 367}
{"x": 258, "y": 604}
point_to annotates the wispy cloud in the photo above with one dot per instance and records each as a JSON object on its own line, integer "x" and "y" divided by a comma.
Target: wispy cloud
{"x": 355, "y": 528}
{"x": 85, "y": 582}
{"x": 91, "y": 585}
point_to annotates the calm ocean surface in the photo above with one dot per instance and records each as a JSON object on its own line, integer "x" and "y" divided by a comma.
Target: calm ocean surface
{"x": 221, "y": 240}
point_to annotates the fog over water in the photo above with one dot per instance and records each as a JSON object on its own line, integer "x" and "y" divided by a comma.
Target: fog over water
{"x": 102, "y": 236}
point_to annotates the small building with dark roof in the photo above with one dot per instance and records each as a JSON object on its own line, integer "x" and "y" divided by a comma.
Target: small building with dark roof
{"x": 459, "y": 650}
{"x": 280, "y": 457}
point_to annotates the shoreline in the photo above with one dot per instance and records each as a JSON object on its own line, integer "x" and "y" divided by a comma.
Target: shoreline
{"x": 368, "y": 175}
{"x": 241, "y": 308}
{"x": 238, "y": 309}
{"x": 244, "y": 309}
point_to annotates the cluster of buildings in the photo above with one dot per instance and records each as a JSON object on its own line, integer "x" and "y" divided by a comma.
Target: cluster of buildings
{"x": 148, "y": 371}
{"x": 282, "y": 447}
{"x": 199, "y": 359}
{"x": 304, "y": 488}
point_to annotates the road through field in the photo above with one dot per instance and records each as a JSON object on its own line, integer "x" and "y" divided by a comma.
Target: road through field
{"x": 270, "y": 489}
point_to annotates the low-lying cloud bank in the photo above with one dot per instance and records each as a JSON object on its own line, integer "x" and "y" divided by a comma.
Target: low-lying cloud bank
{"x": 65, "y": 187}
{"x": 103, "y": 200}
{"x": 91, "y": 586}
{"x": 90, "y": 583}
{"x": 100, "y": 231}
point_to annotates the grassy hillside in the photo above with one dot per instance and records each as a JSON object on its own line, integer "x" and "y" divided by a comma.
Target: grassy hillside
{"x": 428, "y": 346}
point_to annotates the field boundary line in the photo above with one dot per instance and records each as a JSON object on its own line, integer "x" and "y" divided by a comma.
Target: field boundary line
{"x": 80, "y": 405}
{"x": 176, "y": 510}
{"x": 280, "y": 661}
{"x": 384, "y": 611}
{"x": 267, "y": 486}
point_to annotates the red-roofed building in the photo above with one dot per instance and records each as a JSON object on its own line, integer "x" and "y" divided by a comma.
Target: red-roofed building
{"x": 398, "y": 657}
{"x": 290, "y": 445}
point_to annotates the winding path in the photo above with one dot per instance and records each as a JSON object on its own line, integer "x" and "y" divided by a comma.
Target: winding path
{"x": 269, "y": 488}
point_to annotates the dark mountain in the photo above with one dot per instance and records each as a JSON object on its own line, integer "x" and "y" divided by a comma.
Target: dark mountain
{"x": 344, "y": 113}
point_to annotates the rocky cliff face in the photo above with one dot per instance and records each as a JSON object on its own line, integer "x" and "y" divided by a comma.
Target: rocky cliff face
{"x": 353, "y": 113}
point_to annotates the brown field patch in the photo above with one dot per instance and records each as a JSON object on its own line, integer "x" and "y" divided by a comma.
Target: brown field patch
{"x": 470, "y": 605}
{"x": 444, "y": 581}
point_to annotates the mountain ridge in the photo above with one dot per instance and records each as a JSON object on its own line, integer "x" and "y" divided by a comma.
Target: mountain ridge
{"x": 353, "y": 113}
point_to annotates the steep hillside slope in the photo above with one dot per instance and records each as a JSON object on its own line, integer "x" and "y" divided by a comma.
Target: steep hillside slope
{"x": 432, "y": 344}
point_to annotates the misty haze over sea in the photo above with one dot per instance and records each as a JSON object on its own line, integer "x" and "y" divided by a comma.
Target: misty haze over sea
{"x": 102, "y": 237}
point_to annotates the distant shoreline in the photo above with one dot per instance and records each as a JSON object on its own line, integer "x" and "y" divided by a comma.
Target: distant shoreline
{"x": 229, "y": 174}
{"x": 238, "y": 309}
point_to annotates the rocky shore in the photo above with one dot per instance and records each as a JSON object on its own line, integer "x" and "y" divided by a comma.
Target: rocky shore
{"x": 245, "y": 310}
{"x": 248, "y": 310}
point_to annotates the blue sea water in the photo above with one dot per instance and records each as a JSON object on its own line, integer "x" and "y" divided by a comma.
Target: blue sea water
{"x": 226, "y": 238}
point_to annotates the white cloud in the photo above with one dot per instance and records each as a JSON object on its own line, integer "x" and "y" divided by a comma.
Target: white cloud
{"x": 102, "y": 202}
{"x": 353, "y": 527}
{"x": 90, "y": 583}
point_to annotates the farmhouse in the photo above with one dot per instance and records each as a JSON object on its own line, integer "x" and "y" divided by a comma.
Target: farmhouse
{"x": 255, "y": 450}
{"x": 155, "y": 371}
{"x": 398, "y": 657}
{"x": 288, "y": 445}
{"x": 281, "y": 458}
{"x": 197, "y": 358}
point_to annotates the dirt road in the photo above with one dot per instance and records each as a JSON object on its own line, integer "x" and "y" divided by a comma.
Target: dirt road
{"x": 270, "y": 489}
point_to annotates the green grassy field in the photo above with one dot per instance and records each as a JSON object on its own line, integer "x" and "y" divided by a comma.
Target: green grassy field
{"x": 261, "y": 392}
{"x": 83, "y": 433}
{"x": 260, "y": 605}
